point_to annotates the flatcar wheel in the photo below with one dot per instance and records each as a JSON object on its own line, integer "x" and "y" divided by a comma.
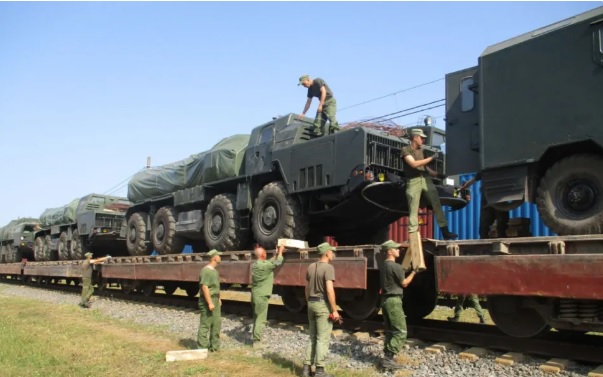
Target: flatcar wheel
{"x": 364, "y": 306}
{"x": 191, "y": 291}
{"x": 421, "y": 296}
{"x": 514, "y": 319}
{"x": 128, "y": 286}
{"x": 148, "y": 289}
{"x": 169, "y": 288}
{"x": 293, "y": 299}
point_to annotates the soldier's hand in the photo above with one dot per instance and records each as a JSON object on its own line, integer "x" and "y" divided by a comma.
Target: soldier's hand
{"x": 319, "y": 109}
{"x": 435, "y": 156}
{"x": 211, "y": 307}
{"x": 336, "y": 316}
{"x": 300, "y": 116}
{"x": 280, "y": 249}
{"x": 220, "y": 301}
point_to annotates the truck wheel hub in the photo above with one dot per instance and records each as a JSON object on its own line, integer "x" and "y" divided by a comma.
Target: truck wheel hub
{"x": 160, "y": 231}
{"x": 132, "y": 234}
{"x": 580, "y": 196}
{"x": 270, "y": 217}
{"x": 216, "y": 224}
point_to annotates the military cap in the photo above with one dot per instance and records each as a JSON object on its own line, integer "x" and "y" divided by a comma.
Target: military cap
{"x": 302, "y": 78}
{"x": 88, "y": 255}
{"x": 324, "y": 247}
{"x": 214, "y": 252}
{"x": 417, "y": 132}
{"x": 389, "y": 244}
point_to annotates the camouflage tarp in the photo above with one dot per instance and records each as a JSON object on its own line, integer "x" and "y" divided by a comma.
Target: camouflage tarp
{"x": 223, "y": 161}
{"x": 60, "y": 215}
{"x": 7, "y": 231}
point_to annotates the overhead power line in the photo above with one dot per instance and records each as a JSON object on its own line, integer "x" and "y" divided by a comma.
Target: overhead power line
{"x": 411, "y": 113}
{"x": 403, "y": 111}
{"x": 389, "y": 95}
{"x": 121, "y": 184}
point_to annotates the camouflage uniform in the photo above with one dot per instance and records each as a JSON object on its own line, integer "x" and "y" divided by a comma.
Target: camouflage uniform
{"x": 391, "y": 277}
{"x": 262, "y": 280}
{"x": 210, "y": 321}
{"x": 319, "y": 309}
{"x": 419, "y": 182}
{"x": 87, "y": 287}
{"x": 473, "y": 302}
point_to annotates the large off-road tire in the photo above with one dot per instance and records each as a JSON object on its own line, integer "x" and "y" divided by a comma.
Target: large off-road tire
{"x": 370, "y": 236}
{"x": 39, "y": 249}
{"x": 62, "y": 247}
{"x": 47, "y": 248}
{"x": 221, "y": 226}
{"x": 78, "y": 246}
{"x": 136, "y": 236}
{"x": 570, "y": 195}
{"x": 277, "y": 215}
{"x": 163, "y": 232}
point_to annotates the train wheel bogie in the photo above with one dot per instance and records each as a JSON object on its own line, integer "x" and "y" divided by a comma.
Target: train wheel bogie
{"x": 515, "y": 317}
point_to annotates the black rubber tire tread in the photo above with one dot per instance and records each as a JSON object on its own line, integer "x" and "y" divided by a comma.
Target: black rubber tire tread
{"x": 555, "y": 218}
{"x": 139, "y": 246}
{"x": 62, "y": 247}
{"x": 232, "y": 236}
{"x": 47, "y": 246}
{"x": 78, "y": 246}
{"x": 38, "y": 249}
{"x": 171, "y": 243}
{"x": 293, "y": 224}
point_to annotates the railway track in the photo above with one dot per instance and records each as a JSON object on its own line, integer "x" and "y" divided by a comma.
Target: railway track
{"x": 586, "y": 348}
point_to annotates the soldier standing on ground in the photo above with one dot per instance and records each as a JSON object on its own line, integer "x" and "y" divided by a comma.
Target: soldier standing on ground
{"x": 418, "y": 176}
{"x": 208, "y": 336}
{"x": 87, "y": 287}
{"x": 393, "y": 282}
{"x": 327, "y": 105}
{"x": 262, "y": 281}
{"x": 320, "y": 295}
{"x": 487, "y": 216}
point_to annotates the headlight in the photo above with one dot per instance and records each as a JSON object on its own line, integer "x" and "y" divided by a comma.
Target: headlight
{"x": 22, "y": 238}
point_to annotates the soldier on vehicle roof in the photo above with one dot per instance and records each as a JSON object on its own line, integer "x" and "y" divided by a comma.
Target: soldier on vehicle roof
{"x": 322, "y": 309}
{"x": 393, "y": 281}
{"x": 327, "y": 105}
{"x": 87, "y": 286}
{"x": 418, "y": 176}
{"x": 262, "y": 280}
{"x": 210, "y": 321}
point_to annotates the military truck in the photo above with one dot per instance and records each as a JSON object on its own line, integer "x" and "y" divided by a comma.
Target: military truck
{"x": 17, "y": 240}
{"x": 279, "y": 182}
{"x": 530, "y": 117}
{"x": 91, "y": 223}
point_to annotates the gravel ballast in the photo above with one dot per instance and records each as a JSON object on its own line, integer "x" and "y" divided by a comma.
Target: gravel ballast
{"x": 289, "y": 342}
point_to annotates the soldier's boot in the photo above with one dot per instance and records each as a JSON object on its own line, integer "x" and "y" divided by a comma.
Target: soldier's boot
{"x": 389, "y": 362}
{"x": 448, "y": 235}
{"x": 317, "y": 131}
{"x": 320, "y": 372}
{"x": 306, "y": 372}
{"x": 454, "y": 319}
{"x": 482, "y": 320}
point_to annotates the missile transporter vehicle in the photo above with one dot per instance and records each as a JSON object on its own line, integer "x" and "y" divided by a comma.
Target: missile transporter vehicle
{"x": 530, "y": 117}
{"x": 17, "y": 240}
{"x": 89, "y": 224}
{"x": 279, "y": 182}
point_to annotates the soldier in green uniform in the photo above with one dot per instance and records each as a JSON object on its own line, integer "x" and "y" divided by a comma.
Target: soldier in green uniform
{"x": 320, "y": 295}
{"x": 87, "y": 287}
{"x": 262, "y": 280}
{"x": 419, "y": 181}
{"x": 327, "y": 105}
{"x": 208, "y": 336}
{"x": 393, "y": 282}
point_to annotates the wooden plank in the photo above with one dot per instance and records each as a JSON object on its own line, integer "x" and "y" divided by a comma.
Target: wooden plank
{"x": 182, "y": 355}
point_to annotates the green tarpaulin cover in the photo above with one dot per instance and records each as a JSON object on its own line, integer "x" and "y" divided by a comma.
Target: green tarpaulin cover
{"x": 223, "y": 161}
{"x": 60, "y": 215}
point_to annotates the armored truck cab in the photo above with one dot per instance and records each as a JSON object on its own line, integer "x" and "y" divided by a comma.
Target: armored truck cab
{"x": 17, "y": 240}
{"x": 283, "y": 182}
{"x": 530, "y": 117}
{"x": 91, "y": 223}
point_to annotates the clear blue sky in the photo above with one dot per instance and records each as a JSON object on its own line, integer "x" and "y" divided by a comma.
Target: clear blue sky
{"x": 89, "y": 90}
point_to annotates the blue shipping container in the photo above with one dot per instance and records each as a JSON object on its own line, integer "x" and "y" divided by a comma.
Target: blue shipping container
{"x": 465, "y": 222}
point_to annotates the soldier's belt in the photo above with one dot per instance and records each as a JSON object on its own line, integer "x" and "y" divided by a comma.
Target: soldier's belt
{"x": 315, "y": 299}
